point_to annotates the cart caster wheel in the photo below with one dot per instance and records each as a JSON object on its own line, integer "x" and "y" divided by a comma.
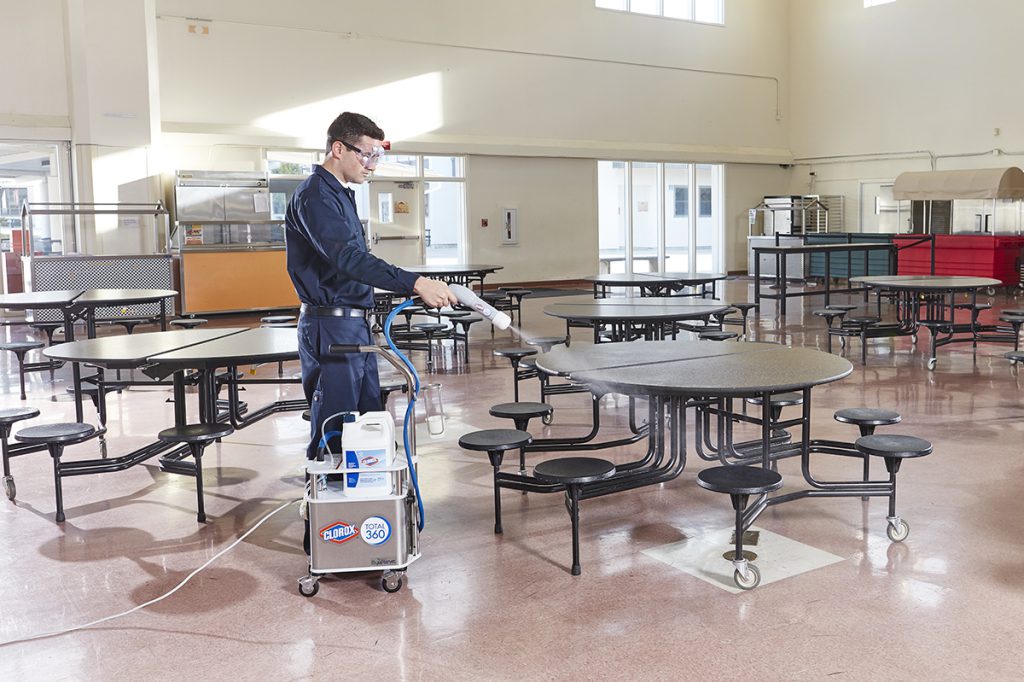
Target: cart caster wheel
{"x": 752, "y": 580}
{"x": 308, "y": 586}
{"x": 391, "y": 582}
{"x": 990, "y": 291}
{"x": 548, "y": 418}
{"x": 898, "y": 532}
{"x": 931, "y": 363}
{"x": 9, "y": 488}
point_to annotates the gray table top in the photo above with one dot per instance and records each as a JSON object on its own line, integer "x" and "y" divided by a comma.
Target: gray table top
{"x": 638, "y": 309}
{"x": 40, "y": 299}
{"x": 451, "y": 269}
{"x": 927, "y": 282}
{"x": 132, "y": 350}
{"x": 653, "y": 278}
{"x": 264, "y": 344}
{"x": 103, "y": 297}
{"x": 695, "y": 368}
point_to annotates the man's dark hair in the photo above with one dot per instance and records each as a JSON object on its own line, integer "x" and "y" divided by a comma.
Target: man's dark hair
{"x": 349, "y": 127}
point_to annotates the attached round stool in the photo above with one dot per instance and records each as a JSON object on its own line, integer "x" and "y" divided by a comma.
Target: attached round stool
{"x": 861, "y": 323}
{"x": 1014, "y": 356}
{"x": 521, "y": 414}
{"x": 894, "y": 448}
{"x": 495, "y": 442}
{"x": 460, "y": 331}
{"x": 744, "y": 309}
{"x": 777, "y": 401}
{"x": 20, "y": 349}
{"x": 433, "y": 331}
{"x": 306, "y": 415}
{"x": 830, "y": 314}
{"x": 197, "y": 437}
{"x": 48, "y": 328}
{"x": 573, "y": 473}
{"x": 8, "y": 417}
{"x": 739, "y": 483}
{"x": 188, "y": 322}
{"x": 55, "y": 437}
{"x": 717, "y": 335}
{"x": 515, "y": 356}
{"x": 545, "y": 343}
{"x": 845, "y": 307}
{"x": 867, "y": 419}
{"x": 389, "y": 386}
{"x": 1015, "y": 321}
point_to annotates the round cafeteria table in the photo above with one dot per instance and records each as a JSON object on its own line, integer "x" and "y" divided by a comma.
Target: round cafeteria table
{"x": 623, "y": 315}
{"x": 657, "y": 283}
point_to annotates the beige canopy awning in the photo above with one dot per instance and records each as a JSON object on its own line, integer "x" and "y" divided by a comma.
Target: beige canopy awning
{"x": 984, "y": 183}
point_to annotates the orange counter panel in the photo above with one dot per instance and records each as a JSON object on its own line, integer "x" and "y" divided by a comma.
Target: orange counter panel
{"x": 228, "y": 281}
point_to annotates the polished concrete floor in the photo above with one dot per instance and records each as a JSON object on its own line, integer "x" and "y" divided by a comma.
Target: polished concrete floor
{"x": 941, "y": 605}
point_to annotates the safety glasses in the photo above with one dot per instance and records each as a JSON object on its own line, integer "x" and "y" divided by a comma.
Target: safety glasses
{"x": 368, "y": 159}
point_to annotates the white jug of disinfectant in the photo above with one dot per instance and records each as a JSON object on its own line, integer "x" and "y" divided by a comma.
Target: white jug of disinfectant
{"x": 368, "y": 443}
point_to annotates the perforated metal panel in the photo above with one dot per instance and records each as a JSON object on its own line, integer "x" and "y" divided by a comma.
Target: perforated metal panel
{"x": 102, "y": 272}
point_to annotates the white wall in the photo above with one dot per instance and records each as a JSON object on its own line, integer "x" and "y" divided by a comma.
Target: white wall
{"x": 557, "y": 215}
{"x": 911, "y": 85}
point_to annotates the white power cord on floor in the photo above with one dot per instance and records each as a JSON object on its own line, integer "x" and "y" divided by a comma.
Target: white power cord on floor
{"x": 180, "y": 585}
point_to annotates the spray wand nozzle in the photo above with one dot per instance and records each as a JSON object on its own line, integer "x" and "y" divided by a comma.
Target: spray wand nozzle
{"x": 471, "y": 300}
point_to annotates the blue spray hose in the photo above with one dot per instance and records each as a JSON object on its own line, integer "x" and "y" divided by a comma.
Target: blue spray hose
{"x": 410, "y": 409}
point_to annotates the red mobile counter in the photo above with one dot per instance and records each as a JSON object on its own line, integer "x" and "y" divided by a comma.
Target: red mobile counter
{"x": 995, "y": 254}
{"x": 979, "y": 255}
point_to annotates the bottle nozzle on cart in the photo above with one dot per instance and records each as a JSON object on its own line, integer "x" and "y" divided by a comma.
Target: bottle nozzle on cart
{"x": 471, "y": 300}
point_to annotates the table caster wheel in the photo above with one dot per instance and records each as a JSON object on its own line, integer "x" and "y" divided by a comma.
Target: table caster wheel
{"x": 309, "y": 585}
{"x": 9, "y": 488}
{"x": 990, "y": 291}
{"x": 752, "y": 580}
{"x": 898, "y": 532}
{"x": 548, "y": 418}
{"x": 391, "y": 582}
{"x": 931, "y": 363}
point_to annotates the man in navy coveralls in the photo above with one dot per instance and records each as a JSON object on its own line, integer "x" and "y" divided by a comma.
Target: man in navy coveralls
{"x": 334, "y": 275}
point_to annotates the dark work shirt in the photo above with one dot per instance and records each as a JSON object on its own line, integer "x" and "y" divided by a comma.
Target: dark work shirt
{"x": 327, "y": 256}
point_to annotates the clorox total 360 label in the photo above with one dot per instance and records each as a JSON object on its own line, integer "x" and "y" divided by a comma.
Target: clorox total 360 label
{"x": 375, "y": 530}
{"x": 338, "y": 532}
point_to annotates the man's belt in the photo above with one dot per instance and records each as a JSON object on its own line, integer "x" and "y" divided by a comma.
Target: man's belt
{"x": 332, "y": 311}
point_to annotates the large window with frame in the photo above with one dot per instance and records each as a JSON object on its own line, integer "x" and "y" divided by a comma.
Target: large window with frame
{"x": 700, "y": 11}
{"x": 645, "y": 222}
{"x": 438, "y": 213}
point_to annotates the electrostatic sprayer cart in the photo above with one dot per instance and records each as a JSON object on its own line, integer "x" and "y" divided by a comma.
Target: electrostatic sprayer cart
{"x": 377, "y": 529}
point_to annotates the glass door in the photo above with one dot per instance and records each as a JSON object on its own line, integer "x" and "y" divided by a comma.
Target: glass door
{"x": 708, "y": 237}
{"x": 612, "y": 216}
{"x": 677, "y": 217}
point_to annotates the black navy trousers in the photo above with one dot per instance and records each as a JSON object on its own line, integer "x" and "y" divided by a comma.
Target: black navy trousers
{"x": 346, "y": 382}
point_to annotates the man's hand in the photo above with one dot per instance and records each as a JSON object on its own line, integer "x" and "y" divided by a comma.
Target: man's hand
{"x": 434, "y": 293}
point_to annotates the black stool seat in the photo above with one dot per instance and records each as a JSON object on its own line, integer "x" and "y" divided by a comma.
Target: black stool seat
{"x": 520, "y": 410}
{"x": 188, "y": 322}
{"x": 195, "y": 433}
{"x": 863, "y": 319}
{"x": 868, "y": 416}
{"x": 1007, "y": 317}
{"x": 1014, "y": 355}
{"x": 492, "y": 296}
{"x": 717, "y": 336}
{"x": 973, "y": 306}
{"x": 518, "y": 292}
{"x": 528, "y": 363}
{"x": 829, "y": 314}
{"x": 454, "y": 313}
{"x": 92, "y": 390}
{"x": 306, "y": 416}
{"x": 546, "y": 343}
{"x": 892, "y": 445}
{"x": 743, "y": 307}
{"x": 495, "y": 440}
{"x": 846, "y": 307}
{"x": 934, "y": 323}
{"x": 23, "y": 346}
{"x": 1013, "y": 311}
{"x": 739, "y": 480}
{"x": 11, "y": 415}
{"x": 780, "y": 399}
{"x": 515, "y": 353}
{"x": 62, "y": 432}
{"x": 430, "y": 326}
{"x": 574, "y": 470}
